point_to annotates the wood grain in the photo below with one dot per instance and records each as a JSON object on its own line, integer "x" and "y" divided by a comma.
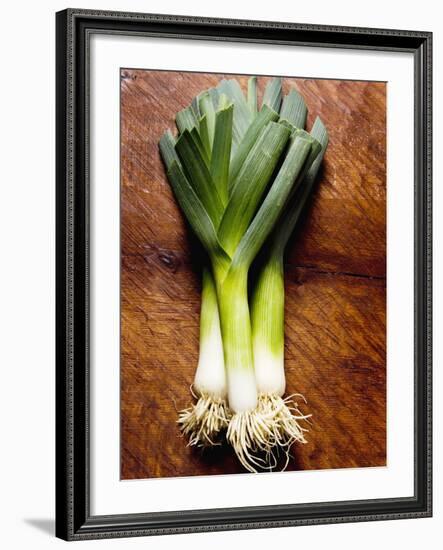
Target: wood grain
{"x": 335, "y": 284}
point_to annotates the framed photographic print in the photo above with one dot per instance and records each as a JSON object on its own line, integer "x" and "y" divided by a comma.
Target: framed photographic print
{"x": 243, "y": 274}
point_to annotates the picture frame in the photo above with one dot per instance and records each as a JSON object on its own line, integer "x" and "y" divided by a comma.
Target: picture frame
{"x": 74, "y": 519}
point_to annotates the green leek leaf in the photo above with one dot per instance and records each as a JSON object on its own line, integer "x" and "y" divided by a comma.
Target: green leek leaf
{"x": 252, "y": 95}
{"x": 272, "y": 94}
{"x": 186, "y": 119}
{"x": 195, "y": 135}
{"x": 271, "y": 208}
{"x": 251, "y": 183}
{"x": 167, "y": 149}
{"x": 195, "y": 108}
{"x": 221, "y": 151}
{"x": 204, "y": 136}
{"x": 207, "y": 109}
{"x": 294, "y": 109}
{"x": 261, "y": 120}
{"x": 297, "y": 202}
{"x": 242, "y": 114}
{"x": 197, "y": 216}
{"x": 197, "y": 171}
{"x": 215, "y": 96}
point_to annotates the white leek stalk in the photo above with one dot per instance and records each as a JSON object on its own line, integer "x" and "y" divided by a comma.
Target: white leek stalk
{"x": 205, "y": 421}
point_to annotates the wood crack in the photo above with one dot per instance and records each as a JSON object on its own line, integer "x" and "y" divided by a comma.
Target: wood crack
{"x": 320, "y": 271}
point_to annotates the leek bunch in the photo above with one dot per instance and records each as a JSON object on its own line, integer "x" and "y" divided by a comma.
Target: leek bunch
{"x": 242, "y": 176}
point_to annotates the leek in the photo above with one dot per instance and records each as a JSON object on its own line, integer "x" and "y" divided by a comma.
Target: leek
{"x": 204, "y": 421}
{"x": 267, "y": 316}
{"x": 249, "y": 429}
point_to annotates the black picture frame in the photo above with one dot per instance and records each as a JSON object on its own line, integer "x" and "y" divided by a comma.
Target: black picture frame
{"x": 73, "y": 518}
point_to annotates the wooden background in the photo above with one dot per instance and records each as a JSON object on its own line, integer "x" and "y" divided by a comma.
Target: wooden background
{"x": 335, "y": 284}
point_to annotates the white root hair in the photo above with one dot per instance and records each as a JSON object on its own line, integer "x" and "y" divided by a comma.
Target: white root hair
{"x": 205, "y": 421}
{"x": 248, "y": 434}
{"x": 259, "y": 436}
{"x": 285, "y": 421}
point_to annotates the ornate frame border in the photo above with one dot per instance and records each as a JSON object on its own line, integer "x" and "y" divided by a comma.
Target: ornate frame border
{"x": 73, "y": 30}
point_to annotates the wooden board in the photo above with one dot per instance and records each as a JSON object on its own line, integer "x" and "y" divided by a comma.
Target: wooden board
{"x": 335, "y": 284}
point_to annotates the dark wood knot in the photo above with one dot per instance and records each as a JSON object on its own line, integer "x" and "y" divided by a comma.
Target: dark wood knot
{"x": 169, "y": 260}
